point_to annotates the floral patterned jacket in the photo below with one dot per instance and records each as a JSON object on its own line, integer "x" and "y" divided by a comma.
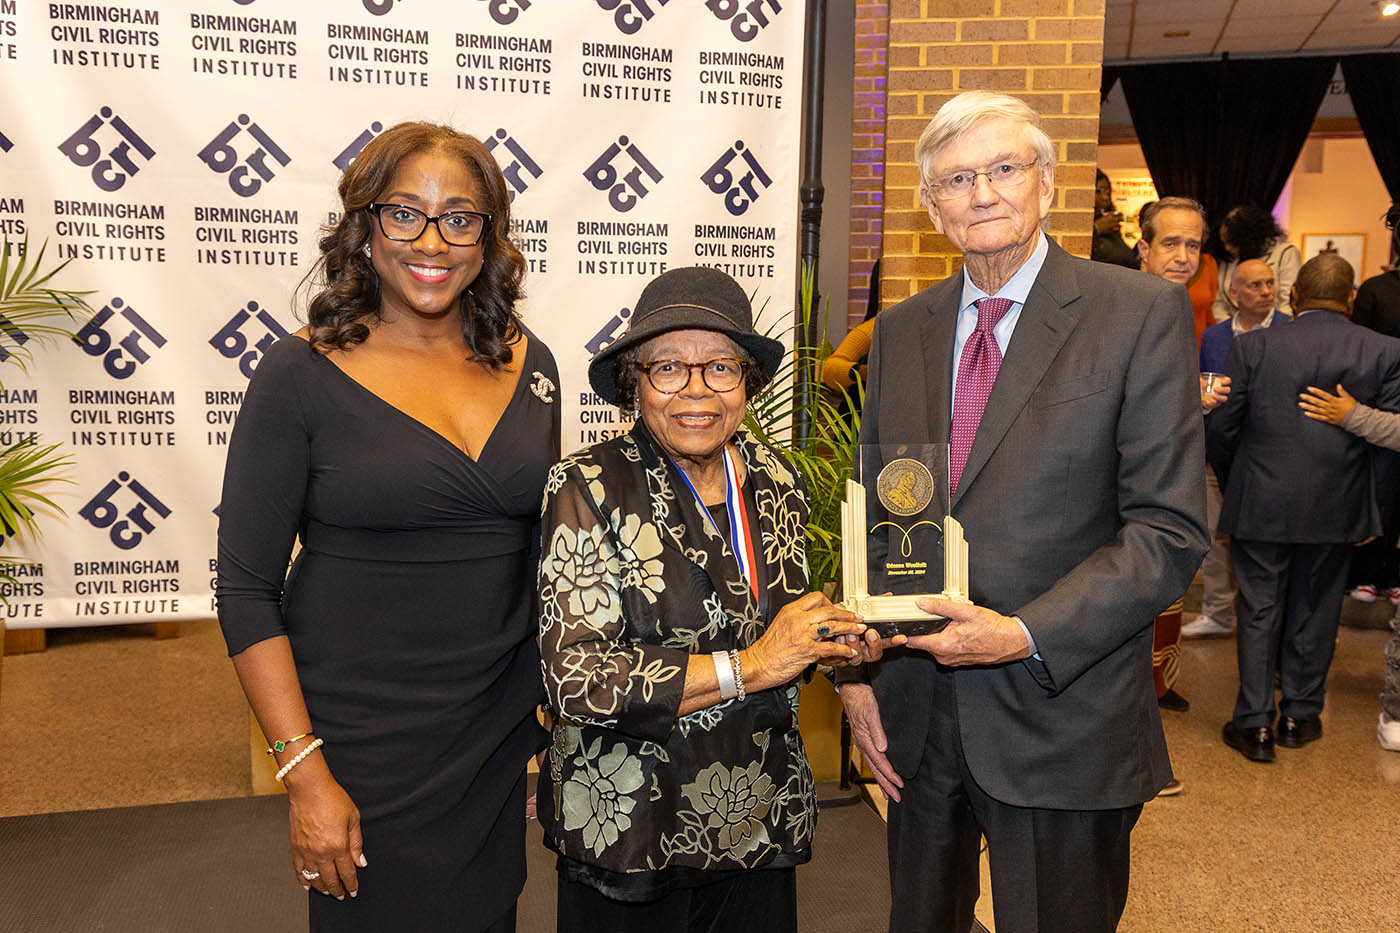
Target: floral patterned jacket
{"x": 632, "y": 582}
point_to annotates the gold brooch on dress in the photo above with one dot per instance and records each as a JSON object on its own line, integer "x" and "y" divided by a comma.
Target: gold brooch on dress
{"x": 542, "y": 387}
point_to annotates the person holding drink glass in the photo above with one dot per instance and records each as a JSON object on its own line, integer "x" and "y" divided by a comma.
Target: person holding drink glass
{"x": 1251, "y": 289}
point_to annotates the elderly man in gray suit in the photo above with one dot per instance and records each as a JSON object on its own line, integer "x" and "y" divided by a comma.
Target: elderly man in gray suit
{"x": 1068, "y": 394}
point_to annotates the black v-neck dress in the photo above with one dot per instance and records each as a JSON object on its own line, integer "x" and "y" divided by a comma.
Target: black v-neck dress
{"x": 410, "y": 611}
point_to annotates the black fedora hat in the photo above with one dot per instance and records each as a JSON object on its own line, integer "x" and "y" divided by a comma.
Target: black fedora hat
{"x": 690, "y": 297}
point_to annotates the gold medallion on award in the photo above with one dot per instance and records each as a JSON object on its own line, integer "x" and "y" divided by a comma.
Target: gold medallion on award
{"x": 899, "y": 541}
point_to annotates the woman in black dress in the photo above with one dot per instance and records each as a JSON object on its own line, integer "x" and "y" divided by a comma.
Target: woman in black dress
{"x": 403, "y": 436}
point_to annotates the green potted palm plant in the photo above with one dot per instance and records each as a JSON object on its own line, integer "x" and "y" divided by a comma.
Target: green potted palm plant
{"x": 32, "y": 309}
{"x": 825, "y": 452}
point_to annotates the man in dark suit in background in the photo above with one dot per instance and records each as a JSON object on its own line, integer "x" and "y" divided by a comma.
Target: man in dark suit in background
{"x": 1298, "y": 496}
{"x": 1068, "y": 393}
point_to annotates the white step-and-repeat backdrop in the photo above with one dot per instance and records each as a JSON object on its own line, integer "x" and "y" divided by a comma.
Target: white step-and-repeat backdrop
{"x": 184, "y": 156}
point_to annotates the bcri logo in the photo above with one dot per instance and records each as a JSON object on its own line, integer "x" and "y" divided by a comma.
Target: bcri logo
{"x": 357, "y": 145}
{"x": 520, "y": 163}
{"x": 232, "y": 342}
{"x": 719, "y": 178}
{"x": 12, "y": 331}
{"x": 5, "y": 144}
{"x": 631, "y": 15}
{"x": 622, "y": 195}
{"x": 378, "y": 7}
{"x": 746, "y": 20}
{"x": 505, "y": 12}
{"x": 223, "y": 158}
{"x": 123, "y": 359}
{"x": 83, "y": 149}
{"x": 610, "y": 332}
{"x": 102, "y": 511}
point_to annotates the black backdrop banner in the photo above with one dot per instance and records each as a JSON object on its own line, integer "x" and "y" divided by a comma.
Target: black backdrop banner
{"x": 1225, "y": 132}
{"x": 1372, "y": 82}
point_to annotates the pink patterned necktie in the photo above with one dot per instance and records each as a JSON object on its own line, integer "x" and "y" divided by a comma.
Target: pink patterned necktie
{"x": 977, "y": 372}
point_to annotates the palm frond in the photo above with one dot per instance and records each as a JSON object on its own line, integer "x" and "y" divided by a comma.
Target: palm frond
{"x": 27, "y": 470}
{"x": 30, "y": 308}
{"x": 825, "y": 455}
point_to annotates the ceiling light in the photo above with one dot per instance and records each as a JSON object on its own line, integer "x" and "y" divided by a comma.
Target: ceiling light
{"x": 1389, "y": 7}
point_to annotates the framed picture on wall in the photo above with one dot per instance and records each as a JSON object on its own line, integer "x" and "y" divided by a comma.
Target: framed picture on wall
{"x": 1350, "y": 246}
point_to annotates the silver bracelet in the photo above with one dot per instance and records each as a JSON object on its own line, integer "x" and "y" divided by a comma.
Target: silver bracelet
{"x": 724, "y": 670}
{"x": 300, "y": 757}
{"x": 738, "y": 674}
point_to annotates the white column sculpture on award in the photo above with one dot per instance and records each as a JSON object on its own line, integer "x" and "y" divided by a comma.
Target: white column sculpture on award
{"x": 892, "y": 614}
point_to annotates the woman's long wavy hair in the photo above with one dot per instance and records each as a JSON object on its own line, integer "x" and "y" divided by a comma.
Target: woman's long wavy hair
{"x": 349, "y": 286}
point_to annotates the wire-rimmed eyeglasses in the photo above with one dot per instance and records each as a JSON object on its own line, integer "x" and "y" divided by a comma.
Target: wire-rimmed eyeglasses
{"x": 406, "y": 224}
{"x": 1001, "y": 175}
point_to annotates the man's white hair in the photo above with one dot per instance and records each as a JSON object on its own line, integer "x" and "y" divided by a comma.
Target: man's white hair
{"x": 971, "y": 109}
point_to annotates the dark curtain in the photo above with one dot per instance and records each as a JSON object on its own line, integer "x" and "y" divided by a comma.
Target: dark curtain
{"x": 1225, "y": 132}
{"x": 1107, "y": 79}
{"x": 1372, "y": 82}
{"x": 1175, "y": 109}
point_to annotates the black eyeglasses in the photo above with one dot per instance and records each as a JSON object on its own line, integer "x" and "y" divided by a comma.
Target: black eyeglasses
{"x": 671, "y": 376}
{"x": 406, "y": 224}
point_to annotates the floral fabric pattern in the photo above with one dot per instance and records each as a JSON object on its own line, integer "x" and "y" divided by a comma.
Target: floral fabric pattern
{"x": 598, "y": 794}
{"x": 634, "y": 582}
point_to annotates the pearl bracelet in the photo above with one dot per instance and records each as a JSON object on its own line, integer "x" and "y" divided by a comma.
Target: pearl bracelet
{"x": 299, "y": 758}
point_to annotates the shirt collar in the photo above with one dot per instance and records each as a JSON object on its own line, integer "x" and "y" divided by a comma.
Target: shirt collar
{"x": 1236, "y": 328}
{"x": 1018, "y": 287}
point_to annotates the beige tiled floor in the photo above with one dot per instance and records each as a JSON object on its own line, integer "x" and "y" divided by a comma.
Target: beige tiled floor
{"x": 111, "y": 717}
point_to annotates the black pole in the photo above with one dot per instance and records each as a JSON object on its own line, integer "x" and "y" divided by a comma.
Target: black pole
{"x": 812, "y": 192}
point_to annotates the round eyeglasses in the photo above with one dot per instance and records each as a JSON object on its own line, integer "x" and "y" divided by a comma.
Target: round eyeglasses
{"x": 671, "y": 376}
{"x": 406, "y": 224}
{"x": 1001, "y": 175}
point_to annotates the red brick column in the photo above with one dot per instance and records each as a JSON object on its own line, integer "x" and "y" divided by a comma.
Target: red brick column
{"x": 867, "y": 150}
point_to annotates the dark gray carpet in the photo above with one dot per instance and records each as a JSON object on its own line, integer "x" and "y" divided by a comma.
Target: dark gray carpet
{"x": 222, "y": 865}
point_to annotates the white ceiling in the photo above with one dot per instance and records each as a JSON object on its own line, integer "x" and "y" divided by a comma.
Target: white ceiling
{"x": 1148, "y": 29}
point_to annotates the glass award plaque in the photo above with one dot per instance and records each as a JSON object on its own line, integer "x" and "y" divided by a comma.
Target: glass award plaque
{"x": 898, "y": 541}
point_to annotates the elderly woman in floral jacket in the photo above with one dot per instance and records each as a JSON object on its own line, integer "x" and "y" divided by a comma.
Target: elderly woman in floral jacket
{"x": 675, "y": 625}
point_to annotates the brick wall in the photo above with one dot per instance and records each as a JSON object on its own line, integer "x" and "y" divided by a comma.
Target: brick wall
{"x": 1047, "y": 52}
{"x": 867, "y": 150}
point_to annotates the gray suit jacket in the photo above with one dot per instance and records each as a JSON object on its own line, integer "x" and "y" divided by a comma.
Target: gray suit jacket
{"x": 1084, "y": 512}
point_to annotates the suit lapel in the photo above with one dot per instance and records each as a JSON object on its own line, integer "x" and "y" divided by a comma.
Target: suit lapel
{"x": 938, "y": 334}
{"x": 1047, "y": 319}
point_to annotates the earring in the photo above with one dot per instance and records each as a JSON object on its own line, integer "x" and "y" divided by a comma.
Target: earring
{"x": 368, "y": 254}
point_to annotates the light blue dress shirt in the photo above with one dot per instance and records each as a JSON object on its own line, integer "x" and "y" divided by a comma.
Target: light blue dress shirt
{"x": 1017, "y": 288}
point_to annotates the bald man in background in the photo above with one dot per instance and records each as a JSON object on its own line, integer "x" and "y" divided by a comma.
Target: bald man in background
{"x": 1251, "y": 288}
